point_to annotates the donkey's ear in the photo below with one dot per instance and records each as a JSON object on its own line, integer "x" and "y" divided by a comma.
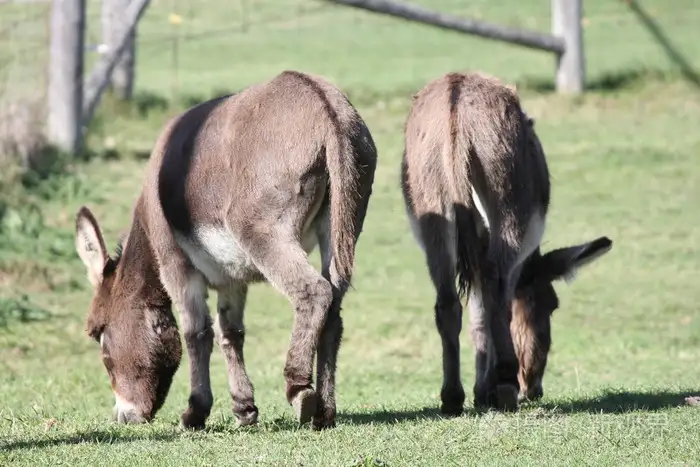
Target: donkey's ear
{"x": 90, "y": 245}
{"x": 563, "y": 263}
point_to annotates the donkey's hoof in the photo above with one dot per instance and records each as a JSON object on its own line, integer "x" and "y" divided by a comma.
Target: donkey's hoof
{"x": 324, "y": 418}
{"x": 322, "y": 423}
{"x": 305, "y": 405}
{"x": 451, "y": 410}
{"x": 483, "y": 398}
{"x": 192, "y": 420}
{"x": 507, "y": 397}
{"x": 247, "y": 416}
{"x": 452, "y": 402}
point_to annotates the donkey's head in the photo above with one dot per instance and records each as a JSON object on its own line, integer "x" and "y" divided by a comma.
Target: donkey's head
{"x": 130, "y": 316}
{"x": 536, "y": 300}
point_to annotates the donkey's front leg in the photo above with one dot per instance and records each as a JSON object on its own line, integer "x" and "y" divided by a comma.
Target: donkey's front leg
{"x": 231, "y": 330}
{"x": 501, "y": 377}
{"x": 190, "y": 296}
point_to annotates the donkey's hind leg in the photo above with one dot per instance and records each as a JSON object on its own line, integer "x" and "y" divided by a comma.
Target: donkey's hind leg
{"x": 437, "y": 235}
{"x": 329, "y": 342}
{"x": 282, "y": 260}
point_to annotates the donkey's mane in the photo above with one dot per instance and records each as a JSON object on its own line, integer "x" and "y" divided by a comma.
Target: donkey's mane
{"x": 118, "y": 251}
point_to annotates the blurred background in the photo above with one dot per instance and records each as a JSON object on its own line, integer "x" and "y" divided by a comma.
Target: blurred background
{"x": 187, "y": 50}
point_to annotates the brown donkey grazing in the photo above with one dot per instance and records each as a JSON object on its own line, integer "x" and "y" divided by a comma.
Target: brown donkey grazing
{"x": 238, "y": 190}
{"x": 476, "y": 187}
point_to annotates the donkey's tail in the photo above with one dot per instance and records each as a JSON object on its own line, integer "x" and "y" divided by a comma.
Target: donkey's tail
{"x": 351, "y": 171}
{"x": 468, "y": 248}
{"x": 462, "y": 166}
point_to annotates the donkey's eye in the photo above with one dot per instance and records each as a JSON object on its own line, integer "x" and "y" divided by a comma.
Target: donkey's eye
{"x": 103, "y": 340}
{"x": 96, "y": 334}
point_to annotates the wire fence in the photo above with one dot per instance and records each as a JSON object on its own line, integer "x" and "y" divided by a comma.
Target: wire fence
{"x": 171, "y": 26}
{"x": 24, "y": 52}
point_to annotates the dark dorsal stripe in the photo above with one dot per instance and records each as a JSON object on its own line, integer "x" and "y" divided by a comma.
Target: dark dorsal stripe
{"x": 175, "y": 166}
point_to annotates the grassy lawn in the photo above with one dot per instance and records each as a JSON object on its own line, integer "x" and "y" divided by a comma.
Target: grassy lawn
{"x": 625, "y": 163}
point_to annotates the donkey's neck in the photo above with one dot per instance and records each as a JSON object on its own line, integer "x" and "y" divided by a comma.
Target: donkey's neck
{"x": 138, "y": 265}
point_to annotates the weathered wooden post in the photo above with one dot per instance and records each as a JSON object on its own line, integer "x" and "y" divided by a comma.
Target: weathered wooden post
{"x": 571, "y": 66}
{"x": 113, "y": 18}
{"x": 98, "y": 80}
{"x": 65, "y": 93}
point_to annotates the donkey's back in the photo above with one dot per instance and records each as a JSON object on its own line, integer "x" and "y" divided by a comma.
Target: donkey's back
{"x": 261, "y": 161}
{"x": 468, "y": 135}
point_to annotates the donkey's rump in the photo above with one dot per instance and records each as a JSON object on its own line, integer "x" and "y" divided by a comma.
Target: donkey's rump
{"x": 241, "y": 166}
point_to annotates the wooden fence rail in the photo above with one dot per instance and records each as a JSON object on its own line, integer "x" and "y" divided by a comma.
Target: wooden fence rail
{"x": 565, "y": 41}
{"x": 72, "y": 104}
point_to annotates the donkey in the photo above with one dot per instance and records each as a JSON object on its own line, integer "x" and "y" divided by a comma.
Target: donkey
{"x": 476, "y": 190}
{"x": 238, "y": 190}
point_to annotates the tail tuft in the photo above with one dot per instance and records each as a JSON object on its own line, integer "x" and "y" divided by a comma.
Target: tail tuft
{"x": 468, "y": 249}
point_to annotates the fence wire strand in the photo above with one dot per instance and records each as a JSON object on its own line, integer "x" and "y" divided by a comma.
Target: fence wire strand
{"x": 24, "y": 31}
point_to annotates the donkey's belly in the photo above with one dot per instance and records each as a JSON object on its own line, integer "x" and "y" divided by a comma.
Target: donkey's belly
{"x": 217, "y": 254}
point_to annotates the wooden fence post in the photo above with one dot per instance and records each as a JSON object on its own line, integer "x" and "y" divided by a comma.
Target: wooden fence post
{"x": 98, "y": 80}
{"x": 65, "y": 93}
{"x": 571, "y": 66}
{"x": 112, "y": 19}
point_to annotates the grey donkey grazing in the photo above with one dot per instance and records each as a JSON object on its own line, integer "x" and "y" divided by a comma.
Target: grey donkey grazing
{"x": 476, "y": 188}
{"x": 238, "y": 190}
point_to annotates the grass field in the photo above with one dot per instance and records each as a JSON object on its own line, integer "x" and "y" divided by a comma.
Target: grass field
{"x": 625, "y": 162}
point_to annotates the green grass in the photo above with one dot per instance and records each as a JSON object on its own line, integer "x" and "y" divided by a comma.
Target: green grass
{"x": 624, "y": 163}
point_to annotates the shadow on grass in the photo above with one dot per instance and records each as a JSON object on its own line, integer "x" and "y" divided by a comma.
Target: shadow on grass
{"x": 228, "y": 425}
{"x": 608, "y": 82}
{"x": 288, "y": 423}
{"x": 390, "y": 416}
{"x": 97, "y": 437}
{"x": 613, "y": 402}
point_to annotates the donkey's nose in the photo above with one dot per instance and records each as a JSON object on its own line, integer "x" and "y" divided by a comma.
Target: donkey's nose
{"x": 531, "y": 394}
{"x": 535, "y": 393}
{"x": 123, "y": 416}
{"x": 125, "y": 412}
